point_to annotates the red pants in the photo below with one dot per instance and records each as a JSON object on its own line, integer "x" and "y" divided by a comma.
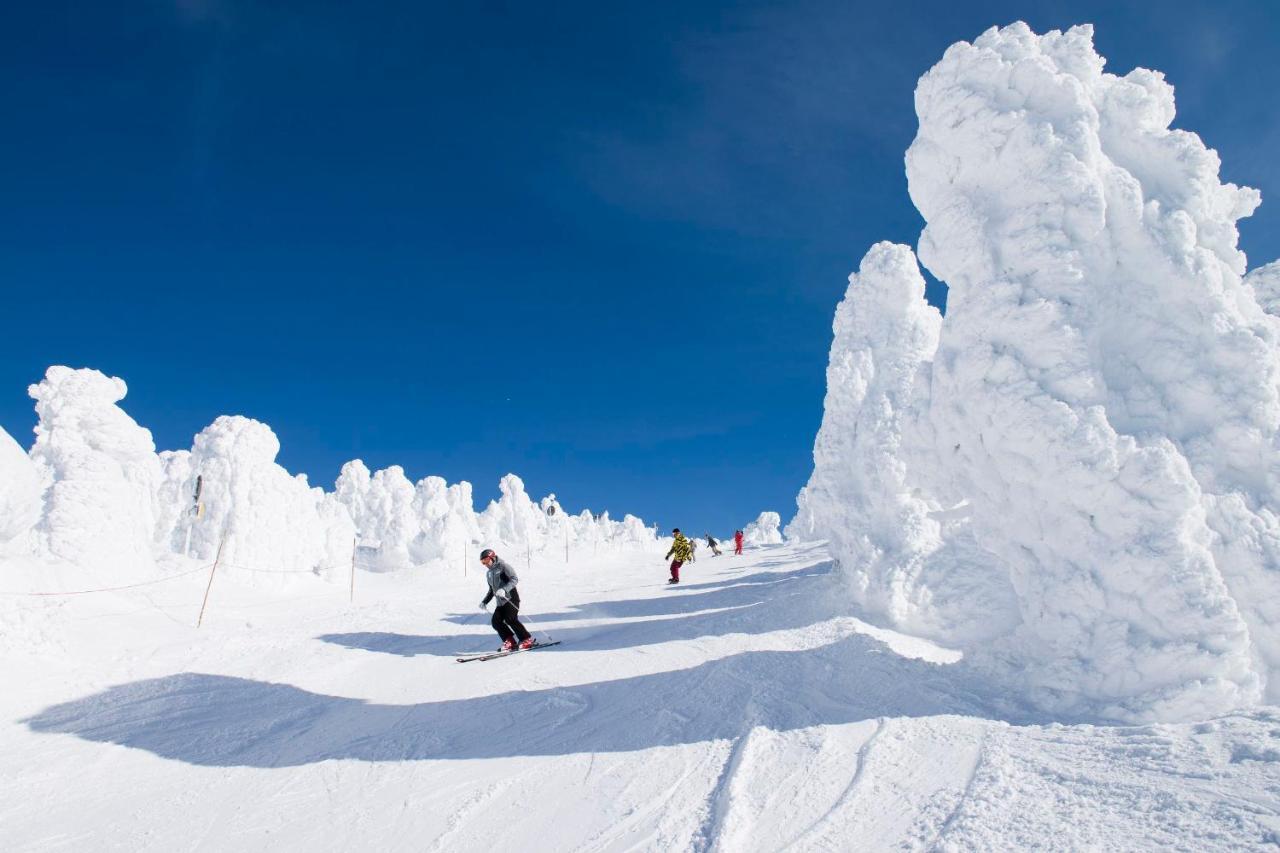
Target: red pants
{"x": 737, "y": 547}
{"x": 675, "y": 569}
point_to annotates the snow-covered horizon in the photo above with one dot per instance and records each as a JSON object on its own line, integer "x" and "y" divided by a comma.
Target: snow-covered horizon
{"x": 94, "y": 489}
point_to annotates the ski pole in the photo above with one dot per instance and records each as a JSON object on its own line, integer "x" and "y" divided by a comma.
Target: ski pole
{"x": 528, "y": 623}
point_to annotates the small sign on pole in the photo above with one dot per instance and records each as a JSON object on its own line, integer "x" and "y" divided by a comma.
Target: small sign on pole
{"x": 197, "y": 510}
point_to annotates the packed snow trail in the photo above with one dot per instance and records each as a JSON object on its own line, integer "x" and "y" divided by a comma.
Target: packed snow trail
{"x": 737, "y": 711}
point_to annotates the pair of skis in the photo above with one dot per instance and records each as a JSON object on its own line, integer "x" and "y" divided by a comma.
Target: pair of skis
{"x": 502, "y": 654}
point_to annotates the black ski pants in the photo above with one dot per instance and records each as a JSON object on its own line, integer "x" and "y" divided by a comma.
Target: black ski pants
{"x": 506, "y": 621}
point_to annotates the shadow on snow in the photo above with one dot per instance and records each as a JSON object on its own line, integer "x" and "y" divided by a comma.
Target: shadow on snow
{"x": 755, "y": 604}
{"x": 215, "y": 720}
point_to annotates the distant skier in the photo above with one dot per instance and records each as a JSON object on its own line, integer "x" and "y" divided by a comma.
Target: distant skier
{"x": 502, "y": 586}
{"x": 681, "y": 553}
{"x": 737, "y": 541}
{"x": 713, "y": 545}
{"x": 693, "y": 550}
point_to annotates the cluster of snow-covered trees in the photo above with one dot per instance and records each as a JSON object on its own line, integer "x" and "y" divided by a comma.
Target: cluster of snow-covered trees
{"x": 94, "y": 490}
{"x": 1075, "y": 475}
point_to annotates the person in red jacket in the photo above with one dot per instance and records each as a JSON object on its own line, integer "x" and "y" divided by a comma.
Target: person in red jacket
{"x": 737, "y": 541}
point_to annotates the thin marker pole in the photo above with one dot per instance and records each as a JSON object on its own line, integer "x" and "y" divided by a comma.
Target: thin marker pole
{"x": 209, "y": 586}
{"x": 351, "y": 598}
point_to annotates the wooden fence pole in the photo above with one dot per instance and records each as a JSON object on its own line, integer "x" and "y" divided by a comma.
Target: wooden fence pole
{"x": 355, "y": 543}
{"x": 217, "y": 559}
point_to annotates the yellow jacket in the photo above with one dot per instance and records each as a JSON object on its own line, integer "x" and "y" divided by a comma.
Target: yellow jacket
{"x": 680, "y": 549}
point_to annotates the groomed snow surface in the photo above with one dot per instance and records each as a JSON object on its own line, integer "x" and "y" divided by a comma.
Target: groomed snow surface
{"x": 742, "y": 710}
{"x": 1069, "y": 485}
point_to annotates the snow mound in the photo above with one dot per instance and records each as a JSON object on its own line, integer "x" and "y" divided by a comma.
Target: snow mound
{"x": 906, "y": 560}
{"x": 101, "y": 471}
{"x": 382, "y": 505}
{"x": 447, "y": 519}
{"x": 1096, "y": 428}
{"x": 513, "y": 519}
{"x": 857, "y": 496}
{"x": 765, "y": 530}
{"x": 1265, "y": 282}
{"x": 264, "y": 519}
{"x": 19, "y": 490}
{"x": 93, "y": 492}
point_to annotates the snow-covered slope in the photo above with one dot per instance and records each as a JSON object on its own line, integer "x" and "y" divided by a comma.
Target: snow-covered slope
{"x": 19, "y": 490}
{"x": 1094, "y": 436}
{"x": 742, "y": 711}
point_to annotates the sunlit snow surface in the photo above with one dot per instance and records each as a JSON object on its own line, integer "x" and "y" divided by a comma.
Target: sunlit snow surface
{"x": 741, "y": 710}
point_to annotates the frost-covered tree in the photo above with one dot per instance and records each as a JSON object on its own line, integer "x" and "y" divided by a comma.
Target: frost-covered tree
{"x": 765, "y": 530}
{"x": 1100, "y": 416}
{"x": 264, "y": 518}
{"x": 99, "y": 468}
{"x": 858, "y": 497}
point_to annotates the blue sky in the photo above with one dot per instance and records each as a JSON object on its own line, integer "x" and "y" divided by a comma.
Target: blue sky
{"x": 599, "y": 245}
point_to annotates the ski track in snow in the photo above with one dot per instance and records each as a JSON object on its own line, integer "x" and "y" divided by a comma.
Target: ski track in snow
{"x": 817, "y": 831}
{"x": 720, "y": 799}
{"x": 744, "y": 711}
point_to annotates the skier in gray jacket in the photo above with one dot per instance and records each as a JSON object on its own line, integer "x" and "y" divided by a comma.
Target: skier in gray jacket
{"x": 502, "y": 586}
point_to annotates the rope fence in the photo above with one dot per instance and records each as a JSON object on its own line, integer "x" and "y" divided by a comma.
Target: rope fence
{"x": 109, "y": 588}
{"x": 213, "y": 567}
{"x": 243, "y": 568}
{"x": 317, "y": 570}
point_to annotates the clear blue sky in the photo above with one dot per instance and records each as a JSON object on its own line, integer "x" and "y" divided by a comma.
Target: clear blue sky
{"x": 596, "y": 244}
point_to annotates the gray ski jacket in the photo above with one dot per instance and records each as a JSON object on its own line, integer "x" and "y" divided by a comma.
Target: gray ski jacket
{"x": 501, "y": 576}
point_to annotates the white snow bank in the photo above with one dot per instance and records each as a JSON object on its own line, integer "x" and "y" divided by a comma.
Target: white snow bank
{"x": 887, "y": 535}
{"x": 765, "y": 530}
{"x": 97, "y": 491}
{"x": 1102, "y": 408}
{"x": 513, "y": 519}
{"x": 516, "y": 522}
{"x": 857, "y": 497}
{"x": 1265, "y": 282}
{"x": 447, "y": 520}
{"x": 19, "y": 490}
{"x": 100, "y": 469}
{"x": 382, "y": 505}
{"x": 411, "y": 524}
{"x": 272, "y": 522}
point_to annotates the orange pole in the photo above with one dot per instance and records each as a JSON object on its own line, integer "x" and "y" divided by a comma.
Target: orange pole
{"x": 209, "y": 586}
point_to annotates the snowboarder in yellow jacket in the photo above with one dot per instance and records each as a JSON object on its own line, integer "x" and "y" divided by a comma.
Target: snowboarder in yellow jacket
{"x": 680, "y": 553}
